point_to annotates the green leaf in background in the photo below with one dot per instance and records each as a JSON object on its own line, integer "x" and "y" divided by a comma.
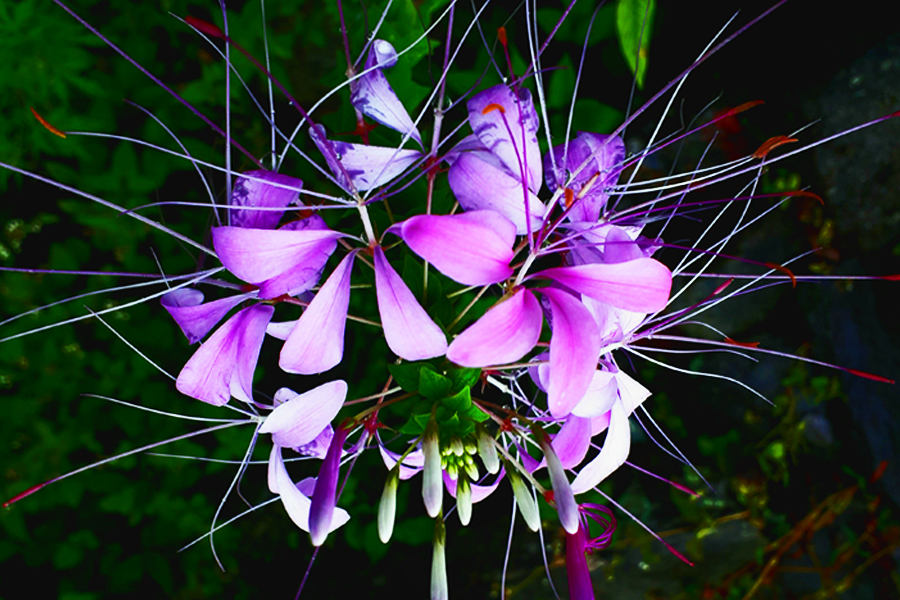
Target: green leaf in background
{"x": 634, "y": 22}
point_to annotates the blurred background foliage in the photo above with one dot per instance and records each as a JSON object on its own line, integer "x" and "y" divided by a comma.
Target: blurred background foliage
{"x": 803, "y": 505}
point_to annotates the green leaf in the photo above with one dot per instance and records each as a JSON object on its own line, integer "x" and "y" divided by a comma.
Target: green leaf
{"x": 463, "y": 377}
{"x": 432, "y": 384}
{"x": 634, "y": 22}
{"x": 406, "y": 375}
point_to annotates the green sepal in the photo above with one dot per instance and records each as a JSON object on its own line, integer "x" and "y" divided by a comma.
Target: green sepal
{"x": 432, "y": 384}
{"x": 406, "y": 375}
{"x": 463, "y": 377}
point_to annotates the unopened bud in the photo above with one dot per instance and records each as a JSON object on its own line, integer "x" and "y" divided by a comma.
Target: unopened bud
{"x": 488, "y": 451}
{"x": 387, "y": 507}
{"x": 439, "y": 587}
{"x": 524, "y": 499}
{"x": 456, "y": 446}
{"x": 562, "y": 491}
{"x": 453, "y": 471}
{"x": 471, "y": 447}
{"x": 432, "y": 486}
{"x": 472, "y": 470}
{"x": 464, "y": 501}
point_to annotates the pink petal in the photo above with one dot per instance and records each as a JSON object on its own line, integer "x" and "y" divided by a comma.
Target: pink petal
{"x": 506, "y": 333}
{"x": 223, "y": 366}
{"x": 473, "y": 248}
{"x": 574, "y": 351}
{"x": 641, "y": 285}
{"x": 251, "y": 190}
{"x": 502, "y": 133}
{"x": 479, "y": 492}
{"x": 194, "y": 318}
{"x": 302, "y": 418}
{"x": 409, "y": 331}
{"x": 614, "y": 453}
{"x": 600, "y": 395}
{"x": 274, "y": 260}
{"x": 479, "y": 185}
{"x": 373, "y": 96}
{"x": 572, "y": 441}
{"x": 316, "y": 343}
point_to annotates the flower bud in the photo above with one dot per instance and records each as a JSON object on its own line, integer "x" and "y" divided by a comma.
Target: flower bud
{"x": 471, "y": 468}
{"x": 527, "y": 505}
{"x": 562, "y": 491}
{"x": 488, "y": 451}
{"x": 439, "y": 588}
{"x": 432, "y": 486}
{"x": 464, "y": 501}
{"x": 387, "y": 507}
{"x": 456, "y": 446}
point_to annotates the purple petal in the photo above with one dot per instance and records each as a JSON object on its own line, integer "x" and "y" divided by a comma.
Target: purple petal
{"x": 302, "y": 418}
{"x": 615, "y": 450}
{"x": 641, "y": 285}
{"x": 473, "y": 248}
{"x": 479, "y": 185}
{"x": 409, "y": 331}
{"x": 506, "y": 333}
{"x": 593, "y": 154}
{"x": 479, "y": 492}
{"x": 316, "y": 343}
{"x": 326, "y": 148}
{"x": 373, "y": 166}
{"x": 256, "y": 192}
{"x": 324, "y": 498}
{"x": 373, "y": 96}
{"x": 501, "y": 132}
{"x": 574, "y": 351}
{"x": 577, "y": 572}
{"x": 572, "y": 441}
{"x": 223, "y": 366}
{"x": 280, "y": 261}
{"x": 318, "y": 448}
{"x": 295, "y": 502}
{"x": 281, "y": 329}
{"x": 620, "y": 247}
{"x": 194, "y": 318}
{"x": 412, "y": 464}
